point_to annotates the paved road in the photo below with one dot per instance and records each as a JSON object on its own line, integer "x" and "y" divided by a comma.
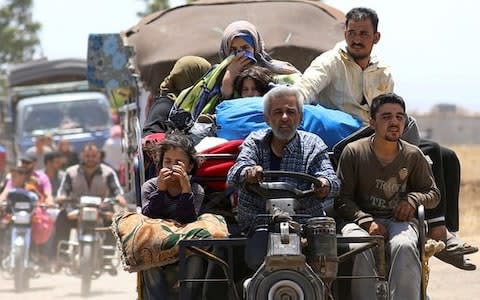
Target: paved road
{"x": 61, "y": 286}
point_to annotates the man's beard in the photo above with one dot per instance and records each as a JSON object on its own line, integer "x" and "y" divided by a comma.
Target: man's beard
{"x": 282, "y": 135}
{"x": 357, "y": 56}
{"x": 392, "y": 139}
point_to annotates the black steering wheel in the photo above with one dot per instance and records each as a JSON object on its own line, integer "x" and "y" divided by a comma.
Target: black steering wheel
{"x": 274, "y": 189}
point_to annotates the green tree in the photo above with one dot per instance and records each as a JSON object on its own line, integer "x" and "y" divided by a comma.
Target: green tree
{"x": 18, "y": 35}
{"x": 18, "y": 32}
{"x": 156, "y": 5}
{"x": 153, "y": 6}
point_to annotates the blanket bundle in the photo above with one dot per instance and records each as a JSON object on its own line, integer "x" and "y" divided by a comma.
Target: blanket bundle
{"x": 145, "y": 243}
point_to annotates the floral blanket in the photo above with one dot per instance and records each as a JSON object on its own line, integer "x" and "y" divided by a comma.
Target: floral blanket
{"x": 145, "y": 243}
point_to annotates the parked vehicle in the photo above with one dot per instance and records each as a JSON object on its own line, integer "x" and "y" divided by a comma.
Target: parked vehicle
{"x": 86, "y": 255}
{"x": 18, "y": 260}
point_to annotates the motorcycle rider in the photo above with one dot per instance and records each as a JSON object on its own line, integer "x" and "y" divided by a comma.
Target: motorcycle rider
{"x": 88, "y": 178}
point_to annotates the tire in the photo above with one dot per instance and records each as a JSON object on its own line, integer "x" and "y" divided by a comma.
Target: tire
{"x": 86, "y": 268}
{"x": 20, "y": 276}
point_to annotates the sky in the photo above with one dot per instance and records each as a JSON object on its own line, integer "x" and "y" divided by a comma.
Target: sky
{"x": 430, "y": 45}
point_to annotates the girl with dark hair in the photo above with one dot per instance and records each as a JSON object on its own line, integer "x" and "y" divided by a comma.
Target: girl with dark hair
{"x": 171, "y": 195}
{"x": 253, "y": 81}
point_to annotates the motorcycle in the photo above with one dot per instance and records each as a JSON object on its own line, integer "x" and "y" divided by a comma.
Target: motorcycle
{"x": 86, "y": 254}
{"x": 18, "y": 261}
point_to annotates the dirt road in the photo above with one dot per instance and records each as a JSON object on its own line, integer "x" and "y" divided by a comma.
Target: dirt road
{"x": 450, "y": 283}
{"x": 446, "y": 283}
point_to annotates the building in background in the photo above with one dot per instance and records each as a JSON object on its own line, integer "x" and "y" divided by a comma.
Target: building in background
{"x": 449, "y": 124}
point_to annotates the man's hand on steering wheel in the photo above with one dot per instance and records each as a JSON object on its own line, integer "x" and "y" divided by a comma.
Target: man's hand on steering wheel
{"x": 254, "y": 174}
{"x": 322, "y": 191}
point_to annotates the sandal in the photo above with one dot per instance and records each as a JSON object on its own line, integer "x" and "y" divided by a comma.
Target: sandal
{"x": 456, "y": 260}
{"x": 456, "y": 246}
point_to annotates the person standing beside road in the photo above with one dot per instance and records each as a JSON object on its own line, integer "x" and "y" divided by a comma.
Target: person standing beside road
{"x": 347, "y": 78}
{"x": 385, "y": 202}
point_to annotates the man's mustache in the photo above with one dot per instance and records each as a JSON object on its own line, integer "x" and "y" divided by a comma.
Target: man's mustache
{"x": 358, "y": 45}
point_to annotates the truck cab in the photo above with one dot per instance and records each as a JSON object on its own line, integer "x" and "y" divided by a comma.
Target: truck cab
{"x": 54, "y": 98}
{"x": 80, "y": 118}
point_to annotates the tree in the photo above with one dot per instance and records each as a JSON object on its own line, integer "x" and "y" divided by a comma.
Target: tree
{"x": 153, "y": 6}
{"x": 156, "y": 5}
{"x": 18, "y": 35}
{"x": 18, "y": 32}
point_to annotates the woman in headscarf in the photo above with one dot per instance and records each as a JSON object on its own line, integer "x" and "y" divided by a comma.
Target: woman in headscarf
{"x": 186, "y": 71}
{"x": 242, "y": 39}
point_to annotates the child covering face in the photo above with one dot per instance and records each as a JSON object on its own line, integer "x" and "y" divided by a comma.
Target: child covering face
{"x": 173, "y": 176}
{"x": 171, "y": 195}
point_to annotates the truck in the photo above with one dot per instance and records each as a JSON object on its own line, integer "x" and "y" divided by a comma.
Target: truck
{"x": 52, "y": 97}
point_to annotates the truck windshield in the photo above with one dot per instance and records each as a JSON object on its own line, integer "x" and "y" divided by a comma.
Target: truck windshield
{"x": 65, "y": 117}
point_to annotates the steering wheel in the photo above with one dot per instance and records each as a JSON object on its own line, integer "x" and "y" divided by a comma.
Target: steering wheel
{"x": 273, "y": 189}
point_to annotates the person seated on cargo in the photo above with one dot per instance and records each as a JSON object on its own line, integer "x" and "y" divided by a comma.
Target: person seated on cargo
{"x": 347, "y": 78}
{"x": 172, "y": 196}
{"x": 186, "y": 71}
{"x": 253, "y": 81}
{"x": 241, "y": 38}
{"x": 384, "y": 180}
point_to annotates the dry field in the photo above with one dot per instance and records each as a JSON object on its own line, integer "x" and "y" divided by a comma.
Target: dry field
{"x": 447, "y": 282}
{"x": 470, "y": 190}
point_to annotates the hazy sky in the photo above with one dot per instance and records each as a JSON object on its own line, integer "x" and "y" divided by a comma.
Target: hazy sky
{"x": 431, "y": 45}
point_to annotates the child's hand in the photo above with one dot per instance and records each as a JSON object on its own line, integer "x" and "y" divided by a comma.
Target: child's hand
{"x": 179, "y": 172}
{"x": 164, "y": 176}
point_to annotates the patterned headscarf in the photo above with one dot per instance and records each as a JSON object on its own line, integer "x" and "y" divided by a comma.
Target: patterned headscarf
{"x": 186, "y": 71}
{"x": 239, "y": 29}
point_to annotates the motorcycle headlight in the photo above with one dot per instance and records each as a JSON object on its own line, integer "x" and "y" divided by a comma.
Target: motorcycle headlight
{"x": 21, "y": 217}
{"x": 89, "y": 214}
